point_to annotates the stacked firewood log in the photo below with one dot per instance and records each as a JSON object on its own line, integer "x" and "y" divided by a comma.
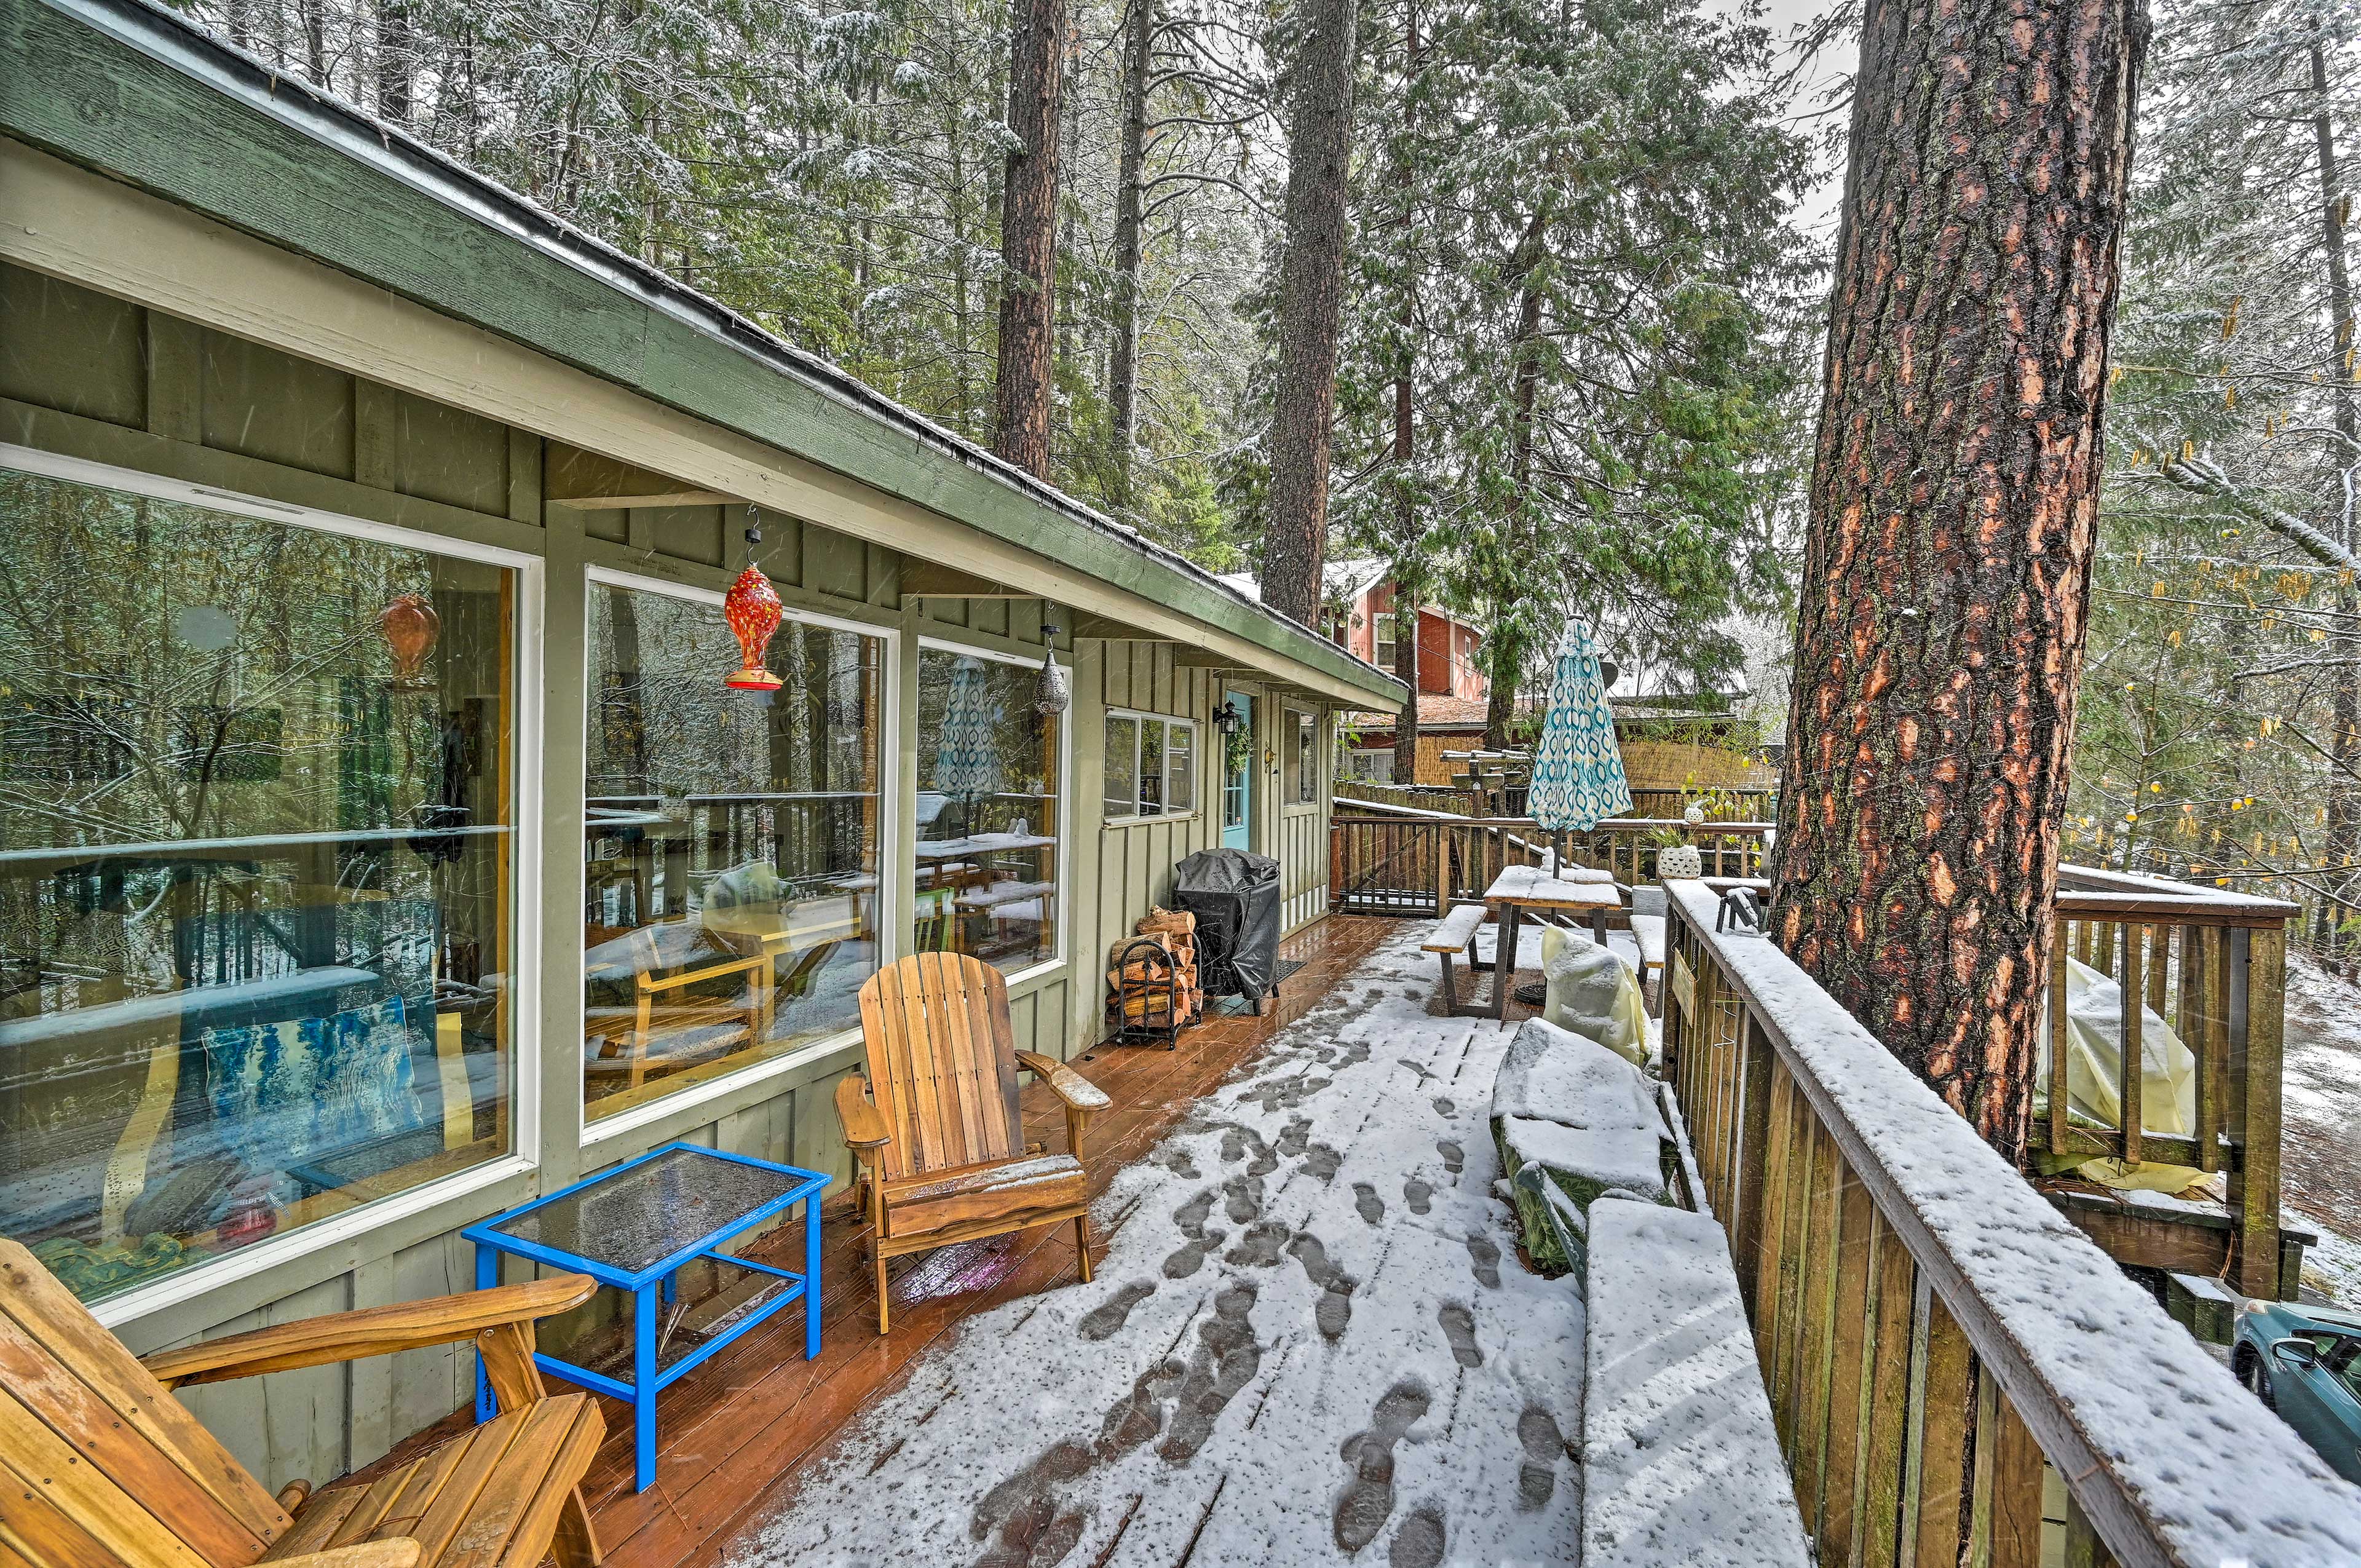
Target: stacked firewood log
{"x": 1162, "y": 992}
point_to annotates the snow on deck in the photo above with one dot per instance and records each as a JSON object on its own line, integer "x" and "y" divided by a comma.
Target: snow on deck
{"x": 1310, "y": 1337}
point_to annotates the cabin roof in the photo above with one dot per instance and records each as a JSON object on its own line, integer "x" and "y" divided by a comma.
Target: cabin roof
{"x": 143, "y": 96}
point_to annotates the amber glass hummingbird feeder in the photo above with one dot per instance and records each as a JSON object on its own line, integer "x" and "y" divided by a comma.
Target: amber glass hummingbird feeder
{"x": 410, "y": 628}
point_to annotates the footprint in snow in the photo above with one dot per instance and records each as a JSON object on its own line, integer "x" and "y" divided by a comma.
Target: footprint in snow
{"x": 1242, "y": 1198}
{"x": 1419, "y": 1543}
{"x": 1486, "y": 1259}
{"x": 1294, "y": 1135}
{"x": 1367, "y": 1499}
{"x": 1333, "y": 1314}
{"x": 1454, "y": 1158}
{"x": 1459, "y": 1328}
{"x": 1444, "y": 1107}
{"x": 1323, "y": 1162}
{"x": 1423, "y": 1074}
{"x": 1259, "y": 1247}
{"x": 1418, "y": 1195}
{"x": 1107, "y": 1319}
{"x": 1190, "y": 1217}
{"x": 1371, "y": 1207}
{"x": 1178, "y": 1162}
{"x": 1226, "y": 1360}
{"x": 1545, "y": 1445}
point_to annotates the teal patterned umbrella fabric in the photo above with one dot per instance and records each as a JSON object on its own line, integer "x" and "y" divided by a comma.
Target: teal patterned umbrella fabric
{"x": 967, "y": 755}
{"x": 1578, "y": 768}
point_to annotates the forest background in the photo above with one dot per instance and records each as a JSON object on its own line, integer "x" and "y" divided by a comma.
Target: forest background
{"x": 1585, "y": 265}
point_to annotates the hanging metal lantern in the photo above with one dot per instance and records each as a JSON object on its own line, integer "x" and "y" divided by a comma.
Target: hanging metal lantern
{"x": 752, "y": 609}
{"x": 410, "y": 628}
{"x": 1055, "y": 688}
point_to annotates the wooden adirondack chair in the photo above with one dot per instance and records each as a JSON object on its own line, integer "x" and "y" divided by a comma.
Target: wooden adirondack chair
{"x": 101, "y": 1466}
{"x": 940, "y": 1144}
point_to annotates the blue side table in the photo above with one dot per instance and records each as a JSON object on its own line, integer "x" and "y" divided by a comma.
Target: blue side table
{"x": 632, "y": 1228}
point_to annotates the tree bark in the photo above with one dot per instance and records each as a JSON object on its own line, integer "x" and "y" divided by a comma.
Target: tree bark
{"x": 397, "y": 62}
{"x": 1406, "y": 652}
{"x": 2344, "y": 697}
{"x": 1507, "y": 645}
{"x": 1122, "y": 357}
{"x": 1311, "y": 304}
{"x": 1953, "y": 510}
{"x": 1406, "y": 524}
{"x": 1028, "y": 235}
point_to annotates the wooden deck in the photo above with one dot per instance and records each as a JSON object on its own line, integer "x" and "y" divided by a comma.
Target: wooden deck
{"x": 735, "y": 1434}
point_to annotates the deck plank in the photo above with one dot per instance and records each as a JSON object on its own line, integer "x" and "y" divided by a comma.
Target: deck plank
{"x": 736, "y": 1435}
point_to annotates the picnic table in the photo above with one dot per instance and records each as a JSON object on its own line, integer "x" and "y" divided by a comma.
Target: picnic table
{"x": 1520, "y": 888}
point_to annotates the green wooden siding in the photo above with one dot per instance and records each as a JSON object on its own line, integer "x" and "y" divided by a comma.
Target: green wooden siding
{"x": 88, "y": 377}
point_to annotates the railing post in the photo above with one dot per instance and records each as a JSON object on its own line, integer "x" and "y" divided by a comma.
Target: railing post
{"x": 2258, "y": 1192}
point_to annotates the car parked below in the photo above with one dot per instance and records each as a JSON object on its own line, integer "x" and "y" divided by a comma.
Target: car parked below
{"x": 2304, "y": 1360}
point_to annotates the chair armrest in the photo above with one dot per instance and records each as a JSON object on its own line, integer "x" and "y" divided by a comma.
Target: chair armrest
{"x": 399, "y": 1554}
{"x": 373, "y": 1330}
{"x": 865, "y": 1125}
{"x": 1079, "y": 1092}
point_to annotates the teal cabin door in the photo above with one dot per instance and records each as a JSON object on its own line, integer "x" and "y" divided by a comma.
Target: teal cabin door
{"x": 1238, "y": 795}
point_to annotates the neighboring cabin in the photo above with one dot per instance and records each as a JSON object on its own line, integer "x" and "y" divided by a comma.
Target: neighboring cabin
{"x": 363, "y": 737}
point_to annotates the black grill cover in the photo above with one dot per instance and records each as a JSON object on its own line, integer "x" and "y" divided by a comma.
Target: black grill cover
{"x": 1235, "y": 896}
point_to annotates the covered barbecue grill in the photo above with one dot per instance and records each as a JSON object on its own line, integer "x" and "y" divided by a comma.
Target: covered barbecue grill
{"x": 1235, "y": 896}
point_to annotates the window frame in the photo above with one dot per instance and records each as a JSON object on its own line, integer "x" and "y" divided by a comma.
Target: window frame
{"x": 1141, "y": 719}
{"x": 907, "y": 810}
{"x": 1383, "y": 626}
{"x": 1298, "y": 756}
{"x": 589, "y": 1133}
{"x": 525, "y": 843}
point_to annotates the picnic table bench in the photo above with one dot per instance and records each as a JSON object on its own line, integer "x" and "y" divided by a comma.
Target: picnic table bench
{"x": 1455, "y": 937}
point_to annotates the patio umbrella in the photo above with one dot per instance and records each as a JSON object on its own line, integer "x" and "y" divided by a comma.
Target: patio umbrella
{"x": 1578, "y": 769}
{"x": 967, "y": 755}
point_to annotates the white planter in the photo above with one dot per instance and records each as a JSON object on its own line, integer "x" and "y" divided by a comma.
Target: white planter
{"x": 1679, "y": 860}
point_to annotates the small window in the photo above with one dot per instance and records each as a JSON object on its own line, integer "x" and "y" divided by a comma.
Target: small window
{"x": 1383, "y": 632}
{"x": 1151, "y": 766}
{"x": 1122, "y": 765}
{"x": 1302, "y": 763}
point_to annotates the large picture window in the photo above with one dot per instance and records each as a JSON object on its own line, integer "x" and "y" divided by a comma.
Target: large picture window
{"x": 1151, "y": 766}
{"x": 988, "y": 811}
{"x": 731, "y": 844}
{"x": 257, "y": 808}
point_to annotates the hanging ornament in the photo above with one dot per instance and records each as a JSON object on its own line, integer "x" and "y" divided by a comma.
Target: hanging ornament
{"x": 410, "y": 628}
{"x": 752, "y": 609}
{"x": 1055, "y": 688}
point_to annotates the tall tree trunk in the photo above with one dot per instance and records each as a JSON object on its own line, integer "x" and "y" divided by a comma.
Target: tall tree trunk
{"x": 397, "y": 61}
{"x": 2344, "y": 697}
{"x": 1406, "y": 520}
{"x": 1122, "y": 357}
{"x": 1028, "y": 235}
{"x": 1406, "y": 651}
{"x": 1310, "y": 304}
{"x": 1508, "y": 644}
{"x": 1954, "y": 505}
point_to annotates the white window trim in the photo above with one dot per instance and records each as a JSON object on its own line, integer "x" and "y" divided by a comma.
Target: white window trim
{"x": 1135, "y": 817}
{"x": 888, "y": 888}
{"x": 1292, "y": 803}
{"x": 1065, "y": 894}
{"x": 524, "y": 904}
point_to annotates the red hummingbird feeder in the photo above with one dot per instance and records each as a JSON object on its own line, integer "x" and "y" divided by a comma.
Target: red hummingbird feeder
{"x": 410, "y": 628}
{"x": 752, "y": 609}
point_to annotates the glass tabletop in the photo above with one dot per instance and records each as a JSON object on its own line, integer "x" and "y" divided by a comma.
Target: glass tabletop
{"x": 635, "y": 1219}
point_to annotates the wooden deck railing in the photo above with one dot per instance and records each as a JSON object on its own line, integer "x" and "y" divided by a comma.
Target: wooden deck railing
{"x": 1403, "y": 861}
{"x": 2212, "y": 966}
{"x": 1934, "y": 1337}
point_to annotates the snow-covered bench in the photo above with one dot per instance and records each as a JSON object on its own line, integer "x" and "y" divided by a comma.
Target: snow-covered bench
{"x": 1648, "y": 935}
{"x": 1681, "y": 1462}
{"x": 1455, "y": 937}
{"x": 1573, "y": 1121}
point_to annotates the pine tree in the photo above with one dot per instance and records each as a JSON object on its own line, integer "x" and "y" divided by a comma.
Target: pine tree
{"x": 1943, "y": 603}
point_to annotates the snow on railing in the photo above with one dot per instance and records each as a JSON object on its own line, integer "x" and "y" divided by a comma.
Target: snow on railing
{"x": 1933, "y": 1334}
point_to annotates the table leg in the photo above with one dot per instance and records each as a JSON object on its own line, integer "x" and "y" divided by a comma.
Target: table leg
{"x": 1598, "y": 925}
{"x": 644, "y": 1312}
{"x": 488, "y": 1275}
{"x": 1504, "y": 959}
{"x": 671, "y": 1287}
{"x": 811, "y": 1277}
